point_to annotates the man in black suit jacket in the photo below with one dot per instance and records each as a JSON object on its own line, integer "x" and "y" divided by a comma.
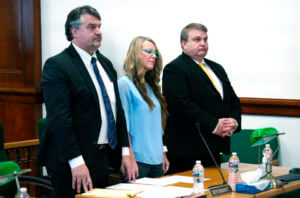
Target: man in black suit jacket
{"x": 198, "y": 95}
{"x": 75, "y": 146}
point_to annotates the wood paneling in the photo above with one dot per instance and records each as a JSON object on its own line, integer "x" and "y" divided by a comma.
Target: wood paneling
{"x": 20, "y": 114}
{"x": 268, "y": 106}
{"x": 20, "y": 69}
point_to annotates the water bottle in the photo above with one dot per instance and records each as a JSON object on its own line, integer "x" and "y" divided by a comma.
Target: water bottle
{"x": 22, "y": 193}
{"x": 233, "y": 170}
{"x": 267, "y": 152}
{"x": 198, "y": 176}
{"x": 263, "y": 165}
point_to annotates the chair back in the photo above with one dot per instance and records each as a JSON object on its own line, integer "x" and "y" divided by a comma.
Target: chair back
{"x": 240, "y": 143}
{"x": 41, "y": 126}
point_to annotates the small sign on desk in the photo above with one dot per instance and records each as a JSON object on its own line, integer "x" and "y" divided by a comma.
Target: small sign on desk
{"x": 219, "y": 189}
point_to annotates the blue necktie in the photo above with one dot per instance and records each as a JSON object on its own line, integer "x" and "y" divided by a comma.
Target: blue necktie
{"x": 111, "y": 131}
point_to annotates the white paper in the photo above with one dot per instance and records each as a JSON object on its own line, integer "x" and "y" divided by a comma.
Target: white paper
{"x": 166, "y": 192}
{"x": 129, "y": 186}
{"x": 150, "y": 191}
{"x": 166, "y": 180}
{"x": 157, "y": 187}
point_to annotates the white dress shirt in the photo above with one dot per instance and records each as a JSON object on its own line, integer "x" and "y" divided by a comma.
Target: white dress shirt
{"x": 103, "y": 139}
{"x": 215, "y": 78}
{"x": 217, "y": 82}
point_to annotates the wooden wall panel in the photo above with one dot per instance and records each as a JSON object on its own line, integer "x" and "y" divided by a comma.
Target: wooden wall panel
{"x": 11, "y": 44}
{"x": 20, "y": 114}
{"x": 20, "y": 68}
{"x": 269, "y": 106}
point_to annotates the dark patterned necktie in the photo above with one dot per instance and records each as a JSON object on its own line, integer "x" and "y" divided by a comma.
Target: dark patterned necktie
{"x": 111, "y": 127}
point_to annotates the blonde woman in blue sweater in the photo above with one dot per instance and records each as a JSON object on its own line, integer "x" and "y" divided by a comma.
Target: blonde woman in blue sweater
{"x": 144, "y": 107}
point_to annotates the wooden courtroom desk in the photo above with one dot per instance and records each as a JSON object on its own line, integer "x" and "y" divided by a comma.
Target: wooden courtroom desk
{"x": 215, "y": 179}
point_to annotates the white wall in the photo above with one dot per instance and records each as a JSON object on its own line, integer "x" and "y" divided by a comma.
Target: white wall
{"x": 256, "y": 41}
{"x": 289, "y": 154}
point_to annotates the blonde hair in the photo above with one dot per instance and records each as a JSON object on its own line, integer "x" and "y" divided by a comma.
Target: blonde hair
{"x": 134, "y": 69}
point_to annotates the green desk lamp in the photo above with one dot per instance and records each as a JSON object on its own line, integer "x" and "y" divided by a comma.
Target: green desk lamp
{"x": 9, "y": 171}
{"x": 260, "y": 137}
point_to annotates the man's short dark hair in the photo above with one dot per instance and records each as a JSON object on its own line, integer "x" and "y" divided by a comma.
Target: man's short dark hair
{"x": 73, "y": 19}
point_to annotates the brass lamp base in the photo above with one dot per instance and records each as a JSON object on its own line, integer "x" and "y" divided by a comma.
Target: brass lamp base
{"x": 275, "y": 183}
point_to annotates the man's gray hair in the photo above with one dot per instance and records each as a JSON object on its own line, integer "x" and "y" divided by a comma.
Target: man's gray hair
{"x": 185, "y": 31}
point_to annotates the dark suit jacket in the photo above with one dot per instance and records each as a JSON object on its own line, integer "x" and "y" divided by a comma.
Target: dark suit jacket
{"x": 73, "y": 113}
{"x": 192, "y": 98}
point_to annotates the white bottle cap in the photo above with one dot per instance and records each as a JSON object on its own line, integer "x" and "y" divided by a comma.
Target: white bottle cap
{"x": 198, "y": 161}
{"x": 267, "y": 145}
{"x": 23, "y": 189}
{"x": 234, "y": 153}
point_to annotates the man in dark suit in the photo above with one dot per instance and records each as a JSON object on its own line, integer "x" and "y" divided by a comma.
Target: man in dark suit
{"x": 85, "y": 122}
{"x": 198, "y": 91}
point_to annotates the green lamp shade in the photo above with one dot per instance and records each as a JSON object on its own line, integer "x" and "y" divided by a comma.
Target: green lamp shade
{"x": 8, "y": 168}
{"x": 262, "y": 136}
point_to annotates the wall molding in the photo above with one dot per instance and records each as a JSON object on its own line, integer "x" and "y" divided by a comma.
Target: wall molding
{"x": 270, "y": 106}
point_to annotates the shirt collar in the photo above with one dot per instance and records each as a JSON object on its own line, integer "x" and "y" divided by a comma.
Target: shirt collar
{"x": 199, "y": 62}
{"x": 86, "y": 57}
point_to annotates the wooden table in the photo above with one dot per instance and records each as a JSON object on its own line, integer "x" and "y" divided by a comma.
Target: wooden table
{"x": 215, "y": 179}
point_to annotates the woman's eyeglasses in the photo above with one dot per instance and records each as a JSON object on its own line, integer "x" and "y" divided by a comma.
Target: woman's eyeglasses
{"x": 151, "y": 52}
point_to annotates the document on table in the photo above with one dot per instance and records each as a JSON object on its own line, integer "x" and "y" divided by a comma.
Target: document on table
{"x": 157, "y": 187}
{"x": 111, "y": 193}
{"x": 166, "y": 180}
{"x": 150, "y": 191}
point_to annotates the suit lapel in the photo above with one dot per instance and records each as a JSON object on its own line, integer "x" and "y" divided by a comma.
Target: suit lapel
{"x": 220, "y": 74}
{"x": 105, "y": 66}
{"x": 108, "y": 67}
{"x": 196, "y": 67}
{"x": 85, "y": 74}
{"x": 200, "y": 71}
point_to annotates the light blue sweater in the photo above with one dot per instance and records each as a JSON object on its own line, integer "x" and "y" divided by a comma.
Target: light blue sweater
{"x": 144, "y": 125}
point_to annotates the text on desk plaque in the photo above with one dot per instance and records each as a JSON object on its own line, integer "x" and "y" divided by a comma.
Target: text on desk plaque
{"x": 219, "y": 189}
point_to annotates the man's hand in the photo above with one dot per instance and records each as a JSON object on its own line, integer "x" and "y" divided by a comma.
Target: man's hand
{"x": 128, "y": 169}
{"x": 226, "y": 126}
{"x": 81, "y": 176}
{"x": 166, "y": 163}
{"x": 230, "y": 125}
{"x": 220, "y": 127}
